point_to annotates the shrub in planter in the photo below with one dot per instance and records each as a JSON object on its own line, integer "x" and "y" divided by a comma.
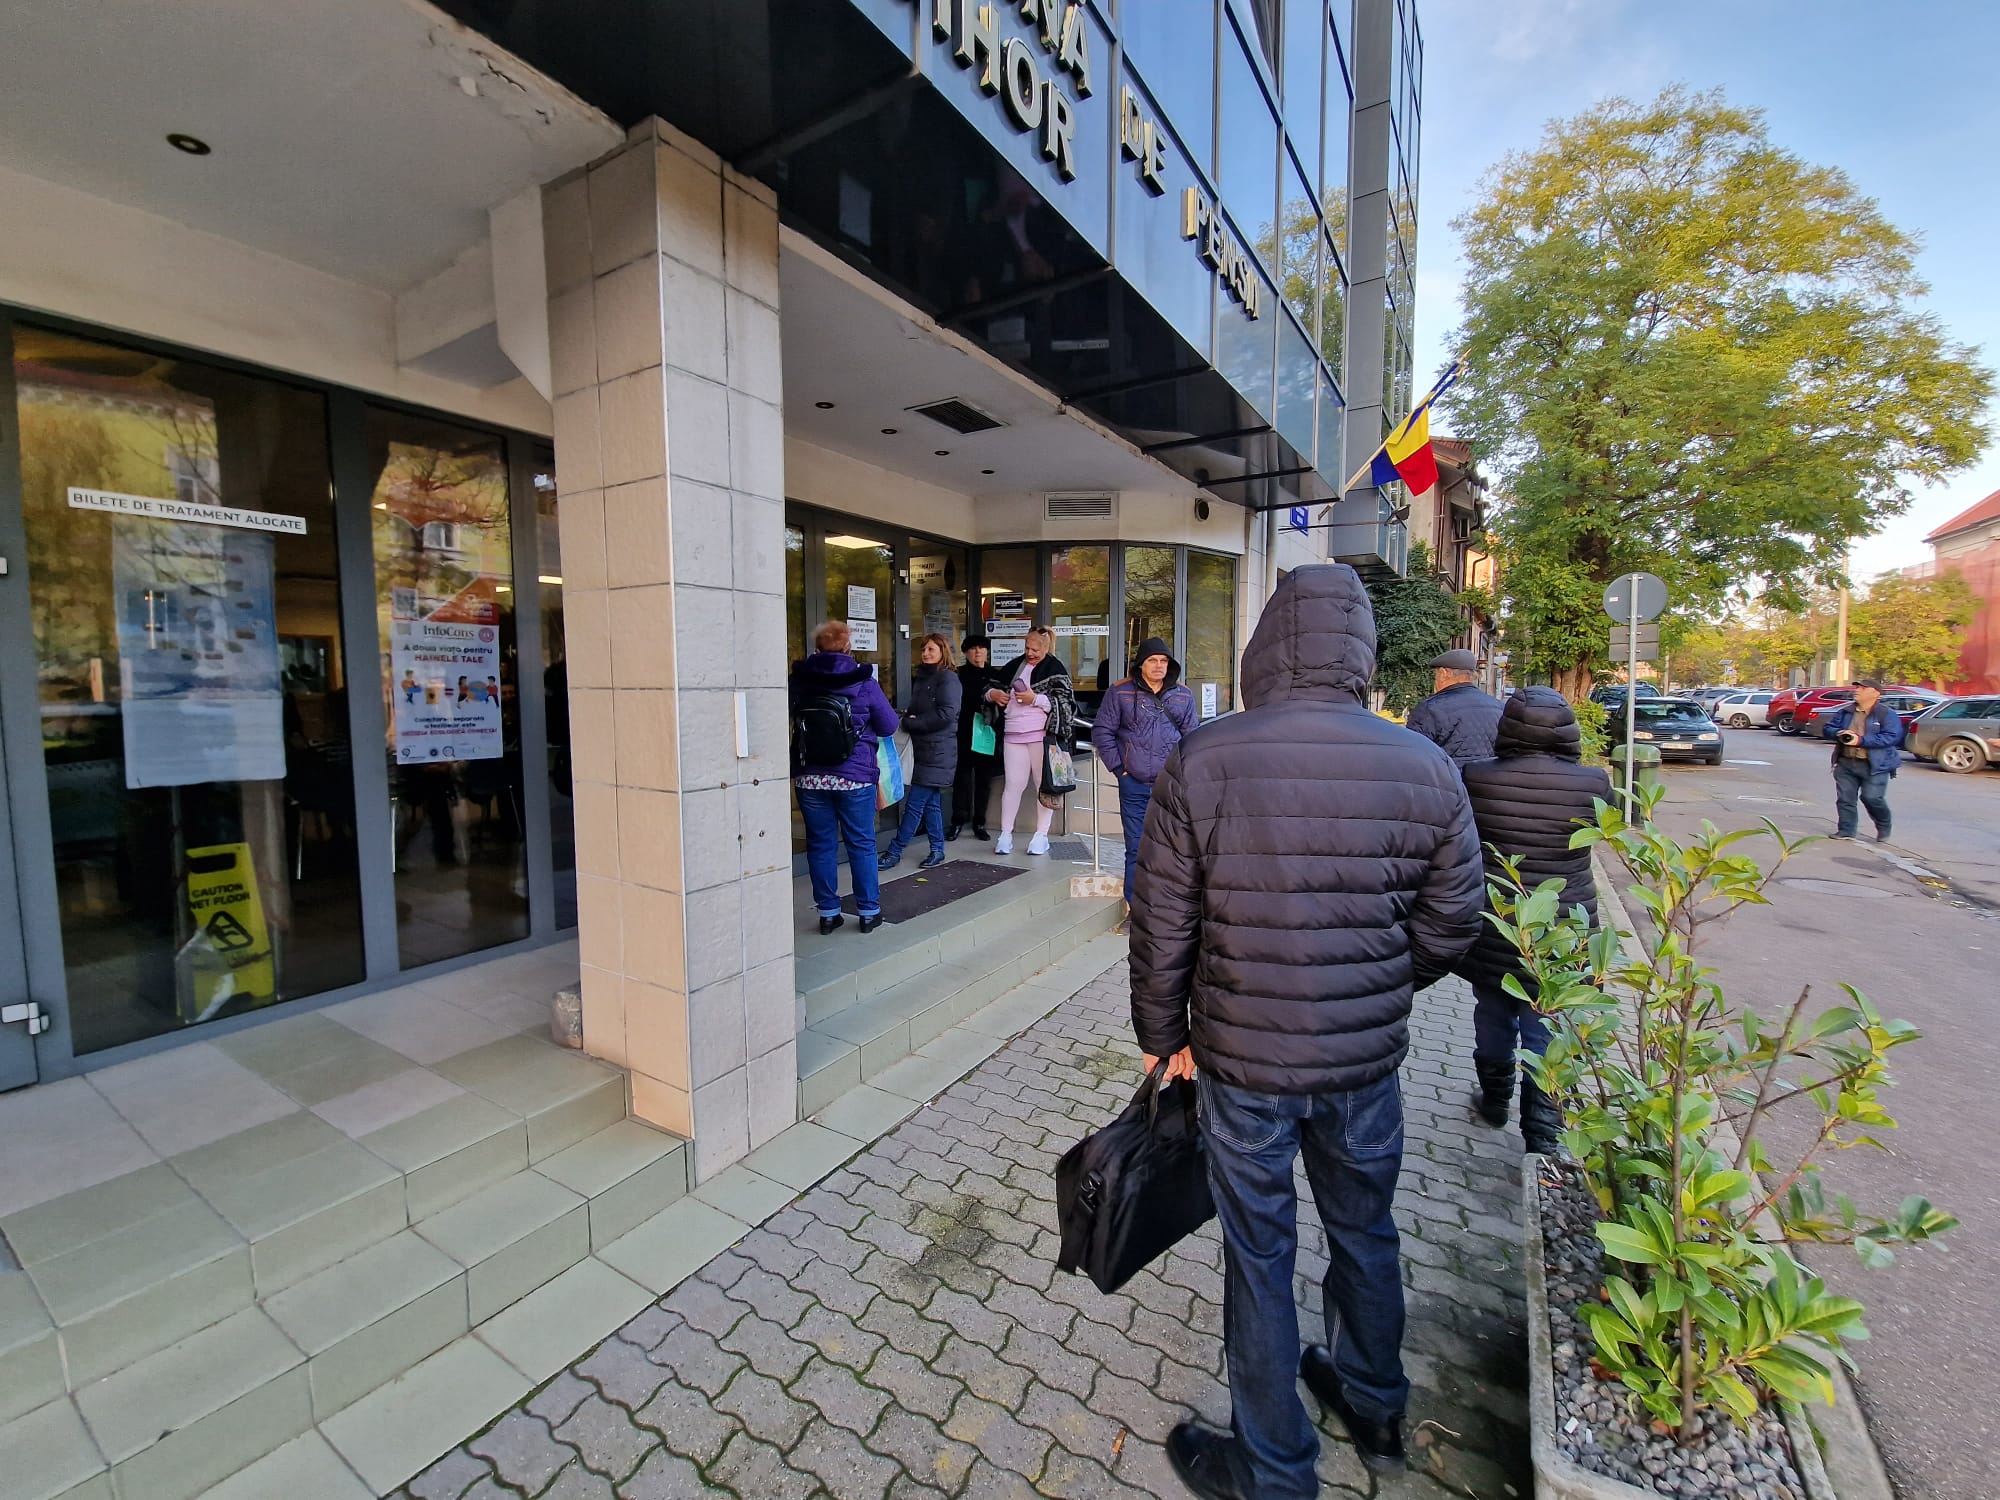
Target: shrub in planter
{"x": 1665, "y": 1087}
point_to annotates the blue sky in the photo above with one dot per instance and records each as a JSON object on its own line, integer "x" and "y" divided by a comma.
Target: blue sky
{"x": 1908, "y": 110}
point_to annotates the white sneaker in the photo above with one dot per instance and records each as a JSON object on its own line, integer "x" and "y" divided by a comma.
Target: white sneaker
{"x": 1039, "y": 844}
{"x": 1004, "y": 844}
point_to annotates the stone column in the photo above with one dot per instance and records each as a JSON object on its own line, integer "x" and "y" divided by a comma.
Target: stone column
{"x": 663, "y": 325}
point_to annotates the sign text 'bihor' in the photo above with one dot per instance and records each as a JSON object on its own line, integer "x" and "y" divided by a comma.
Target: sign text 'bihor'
{"x": 1012, "y": 70}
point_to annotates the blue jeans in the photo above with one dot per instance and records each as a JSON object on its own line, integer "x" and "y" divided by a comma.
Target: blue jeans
{"x": 1353, "y": 1145}
{"x": 1502, "y": 1025}
{"x": 921, "y": 805}
{"x": 1134, "y": 797}
{"x": 1852, "y": 781}
{"x": 831, "y": 818}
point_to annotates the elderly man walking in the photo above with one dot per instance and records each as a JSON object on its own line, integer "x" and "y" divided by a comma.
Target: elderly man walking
{"x": 1868, "y": 751}
{"x": 1137, "y": 727}
{"x": 1307, "y": 865}
{"x": 1459, "y": 715}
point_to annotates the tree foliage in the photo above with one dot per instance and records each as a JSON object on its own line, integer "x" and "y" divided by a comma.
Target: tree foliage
{"x": 1415, "y": 618}
{"x": 1693, "y": 353}
{"x": 1910, "y": 629}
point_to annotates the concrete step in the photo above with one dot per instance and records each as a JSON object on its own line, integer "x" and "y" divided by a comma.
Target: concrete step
{"x": 510, "y": 1238}
{"x": 860, "y": 1041}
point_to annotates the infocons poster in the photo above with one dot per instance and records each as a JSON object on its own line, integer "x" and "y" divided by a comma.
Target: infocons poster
{"x": 201, "y": 696}
{"x": 443, "y": 572}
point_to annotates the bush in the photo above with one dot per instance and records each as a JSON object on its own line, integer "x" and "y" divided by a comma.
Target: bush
{"x": 1664, "y": 1095}
{"x": 1590, "y": 725}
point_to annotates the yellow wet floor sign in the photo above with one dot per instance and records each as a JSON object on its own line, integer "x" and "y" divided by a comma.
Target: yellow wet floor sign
{"x": 230, "y": 952}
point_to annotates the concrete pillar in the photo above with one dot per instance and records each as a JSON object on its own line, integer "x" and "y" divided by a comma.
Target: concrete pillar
{"x": 669, "y": 434}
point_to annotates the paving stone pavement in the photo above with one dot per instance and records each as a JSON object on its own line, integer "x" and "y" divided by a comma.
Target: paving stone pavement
{"x": 900, "y": 1332}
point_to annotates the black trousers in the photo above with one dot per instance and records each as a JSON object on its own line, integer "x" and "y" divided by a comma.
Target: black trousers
{"x": 972, "y": 791}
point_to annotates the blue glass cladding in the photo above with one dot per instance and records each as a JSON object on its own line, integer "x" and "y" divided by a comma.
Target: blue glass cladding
{"x": 892, "y": 16}
{"x": 1298, "y": 370}
{"x": 1171, "y": 44}
{"x": 1305, "y": 30}
{"x": 1330, "y": 457}
{"x": 1244, "y": 348}
{"x": 1248, "y": 150}
{"x": 1165, "y": 268}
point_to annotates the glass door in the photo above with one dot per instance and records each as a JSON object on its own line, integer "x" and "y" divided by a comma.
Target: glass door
{"x": 23, "y": 1020}
{"x": 861, "y": 589}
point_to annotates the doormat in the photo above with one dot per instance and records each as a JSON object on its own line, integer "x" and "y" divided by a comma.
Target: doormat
{"x": 1074, "y": 849}
{"x": 927, "y": 890}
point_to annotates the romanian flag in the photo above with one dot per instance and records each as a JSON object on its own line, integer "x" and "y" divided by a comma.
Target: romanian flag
{"x": 1406, "y": 454}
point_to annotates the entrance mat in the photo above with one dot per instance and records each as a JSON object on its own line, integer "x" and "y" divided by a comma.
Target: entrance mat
{"x": 1072, "y": 849}
{"x": 927, "y": 890}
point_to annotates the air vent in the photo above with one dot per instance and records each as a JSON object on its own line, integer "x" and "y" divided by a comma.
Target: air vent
{"x": 1098, "y": 507}
{"x": 959, "y": 416}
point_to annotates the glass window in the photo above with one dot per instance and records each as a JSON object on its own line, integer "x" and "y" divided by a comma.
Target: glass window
{"x": 1211, "y": 632}
{"x": 1080, "y": 612}
{"x": 1343, "y": 28}
{"x": 796, "y": 644}
{"x": 937, "y": 592}
{"x": 1007, "y": 602}
{"x": 1305, "y": 32}
{"x": 193, "y": 687}
{"x": 1333, "y": 167}
{"x": 1300, "y": 252}
{"x": 1156, "y": 259}
{"x": 1149, "y": 600}
{"x": 1330, "y": 458}
{"x": 1248, "y": 155}
{"x": 861, "y": 589}
{"x": 555, "y": 686}
{"x": 1259, "y": 19}
{"x": 1244, "y": 348}
{"x": 1966, "y": 708}
{"x": 1298, "y": 369}
{"x": 444, "y": 602}
{"x": 1333, "y": 310}
{"x": 1174, "y": 51}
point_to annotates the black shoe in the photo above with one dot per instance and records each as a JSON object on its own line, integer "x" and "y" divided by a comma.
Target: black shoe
{"x": 1843, "y": 835}
{"x": 827, "y": 924}
{"x": 869, "y": 924}
{"x": 980, "y": 833}
{"x": 951, "y": 834}
{"x": 1881, "y": 835}
{"x": 887, "y": 861}
{"x": 1379, "y": 1444}
{"x": 936, "y": 859}
{"x": 1207, "y": 1462}
{"x": 1496, "y": 1090}
{"x": 1541, "y": 1121}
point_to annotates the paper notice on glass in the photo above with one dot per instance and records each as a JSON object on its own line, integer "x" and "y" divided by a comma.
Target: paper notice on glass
{"x": 1083, "y": 630}
{"x": 860, "y": 603}
{"x": 1006, "y": 630}
{"x": 1208, "y": 700}
{"x": 864, "y": 634}
{"x": 445, "y": 682}
{"x": 200, "y": 694}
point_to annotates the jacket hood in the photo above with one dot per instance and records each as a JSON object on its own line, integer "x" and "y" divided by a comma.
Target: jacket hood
{"x": 1154, "y": 646}
{"x": 824, "y": 671}
{"x": 1315, "y": 639}
{"x": 1538, "y": 721}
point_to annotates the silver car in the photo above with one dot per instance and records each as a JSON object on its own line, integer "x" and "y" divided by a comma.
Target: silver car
{"x": 1748, "y": 710}
{"x": 1960, "y": 734}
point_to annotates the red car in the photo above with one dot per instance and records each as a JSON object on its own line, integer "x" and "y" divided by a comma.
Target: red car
{"x": 1906, "y": 704}
{"x": 1792, "y": 710}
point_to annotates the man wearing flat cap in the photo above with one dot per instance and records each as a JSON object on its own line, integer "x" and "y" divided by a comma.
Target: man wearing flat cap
{"x": 1459, "y": 716}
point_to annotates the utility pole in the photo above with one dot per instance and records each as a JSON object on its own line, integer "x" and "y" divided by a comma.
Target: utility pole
{"x": 1843, "y": 670}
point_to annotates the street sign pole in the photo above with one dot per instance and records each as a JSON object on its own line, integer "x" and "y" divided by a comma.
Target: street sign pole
{"x": 1631, "y": 694}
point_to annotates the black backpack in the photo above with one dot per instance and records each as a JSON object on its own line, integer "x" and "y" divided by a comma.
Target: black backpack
{"x": 824, "y": 733}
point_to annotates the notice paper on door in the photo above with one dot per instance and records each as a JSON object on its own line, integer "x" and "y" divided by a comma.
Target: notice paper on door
{"x": 860, "y": 603}
{"x": 864, "y": 632}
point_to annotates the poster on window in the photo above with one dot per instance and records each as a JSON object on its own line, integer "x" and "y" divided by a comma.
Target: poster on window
{"x": 442, "y": 567}
{"x": 200, "y": 694}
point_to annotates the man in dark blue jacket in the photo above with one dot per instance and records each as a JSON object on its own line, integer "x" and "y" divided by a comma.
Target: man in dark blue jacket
{"x": 1138, "y": 725}
{"x": 1868, "y": 750}
{"x": 1460, "y": 717}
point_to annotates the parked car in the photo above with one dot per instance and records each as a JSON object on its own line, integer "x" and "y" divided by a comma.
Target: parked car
{"x": 1708, "y": 697}
{"x": 1908, "y": 705}
{"x": 1676, "y": 727}
{"x": 1740, "y": 710}
{"x": 1793, "y": 709}
{"x": 1614, "y": 692}
{"x": 1960, "y": 734}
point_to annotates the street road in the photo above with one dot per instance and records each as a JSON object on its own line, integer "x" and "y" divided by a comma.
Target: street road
{"x": 1926, "y": 949}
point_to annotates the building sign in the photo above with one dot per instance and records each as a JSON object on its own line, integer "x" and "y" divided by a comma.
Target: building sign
{"x": 156, "y": 509}
{"x": 1013, "y": 70}
{"x": 1202, "y": 220}
{"x": 1009, "y": 604}
{"x": 1141, "y": 140}
{"x": 1301, "y": 518}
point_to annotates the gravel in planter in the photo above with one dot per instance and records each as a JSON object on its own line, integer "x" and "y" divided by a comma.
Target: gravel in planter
{"x": 1599, "y": 1426}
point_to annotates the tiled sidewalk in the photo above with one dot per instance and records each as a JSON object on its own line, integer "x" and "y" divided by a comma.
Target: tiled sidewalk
{"x": 900, "y": 1330}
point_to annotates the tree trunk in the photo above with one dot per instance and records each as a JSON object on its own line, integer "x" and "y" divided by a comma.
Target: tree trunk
{"x": 1573, "y": 681}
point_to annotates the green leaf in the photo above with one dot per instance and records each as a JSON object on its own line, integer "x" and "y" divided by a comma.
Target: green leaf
{"x": 1629, "y": 1244}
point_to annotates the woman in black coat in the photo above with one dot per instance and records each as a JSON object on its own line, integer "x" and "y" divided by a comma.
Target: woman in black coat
{"x": 1527, "y": 802}
{"x": 973, "y": 790}
{"x": 931, "y": 721}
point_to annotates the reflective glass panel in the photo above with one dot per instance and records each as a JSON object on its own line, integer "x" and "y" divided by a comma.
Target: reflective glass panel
{"x": 796, "y": 645}
{"x": 555, "y": 686}
{"x": 1332, "y": 311}
{"x": 1298, "y": 372}
{"x": 1332, "y": 462}
{"x": 1211, "y": 626}
{"x": 1244, "y": 348}
{"x": 1149, "y": 600}
{"x": 861, "y": 589}
{"x": 1007, "y": 602}
{"x": 1153, "y": 255}
{"x": 1249, "y": 150}
{"x": 937, "y": 592}
{"x": 444, "y": 602}
{"x": 193, "y": 685}
{"x": 1080, "y": 613}
{"x": 1333, "y": 169}
{"x": 1300, "y": 249}
{"x": 1305, "y": 28}
{"x": 1171, "y": 44}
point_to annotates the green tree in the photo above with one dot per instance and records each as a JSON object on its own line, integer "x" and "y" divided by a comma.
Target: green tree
{"x": 1694, "y": 353}
{"x": 1910, "y": 629}
{"x": 1415, "y": 618}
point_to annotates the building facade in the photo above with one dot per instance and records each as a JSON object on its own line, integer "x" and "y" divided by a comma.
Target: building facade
{"x": 427, "y": 434}
{"x": 1969, "y": 545}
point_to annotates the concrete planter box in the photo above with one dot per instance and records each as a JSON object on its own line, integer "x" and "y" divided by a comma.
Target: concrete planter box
{"x": 1556, "y": 1478}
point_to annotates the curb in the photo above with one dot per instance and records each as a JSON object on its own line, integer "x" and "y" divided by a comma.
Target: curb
{"x": 1853, "y": 1462}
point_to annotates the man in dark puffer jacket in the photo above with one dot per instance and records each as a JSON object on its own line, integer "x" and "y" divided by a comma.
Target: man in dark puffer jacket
{"x": 1460, "y": 715}
{"x": 1306, "y": 865}
{"x": 1527, "y": 802}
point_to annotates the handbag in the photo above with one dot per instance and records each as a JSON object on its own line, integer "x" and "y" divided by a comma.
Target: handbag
{"x": 1058, "y": 770}
{"x": 984, "y": 740}
{"x": 1135, "y": 1189}
{"x": 889, "y": 774}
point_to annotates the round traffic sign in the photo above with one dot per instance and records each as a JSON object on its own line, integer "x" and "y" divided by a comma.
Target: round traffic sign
{"x": 1631, "y": 596}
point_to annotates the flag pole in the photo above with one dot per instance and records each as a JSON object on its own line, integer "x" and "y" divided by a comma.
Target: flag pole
{"x": 1444, "y": 382}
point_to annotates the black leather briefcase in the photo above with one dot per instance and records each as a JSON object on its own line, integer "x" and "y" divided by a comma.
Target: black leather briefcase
{"x": 1138, "y": 1187}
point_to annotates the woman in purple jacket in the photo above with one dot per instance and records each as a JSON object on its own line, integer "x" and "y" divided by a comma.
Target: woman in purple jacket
{"x": 839, "y": 714}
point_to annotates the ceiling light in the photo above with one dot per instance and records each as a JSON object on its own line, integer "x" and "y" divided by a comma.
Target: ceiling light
{"x": 986, "y": 471}
{"x": 824, "y": 405}
{"x": 994, "y": 588}
{"x": 942, "y": 452}
{"x": 852, "y": 543}
{"x": 193, "y": 145}
{"x": 503, "y": 588}
{"x": 888, "y": 432}
{"x": 381, "y": 505}
{"x": 555, "y": 578}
